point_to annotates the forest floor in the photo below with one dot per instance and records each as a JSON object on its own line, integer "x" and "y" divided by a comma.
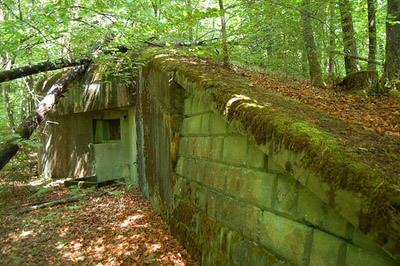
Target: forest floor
{"x": 111, "y": 226}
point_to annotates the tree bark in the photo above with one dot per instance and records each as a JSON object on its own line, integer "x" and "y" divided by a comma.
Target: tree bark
{"x": 224, "y": 37}
{"x": 25, "y": 130}
{"x": 332, "y": 38}
{"x": 41, "y": 67}
{"x": 349, "y": 41}
{"x": 313, "y": 63}
{"x": 371, "y": 35}
{"x": 6, "y": 90}
{"x": 28, "y": 126}
{"x": 392, "y": 60}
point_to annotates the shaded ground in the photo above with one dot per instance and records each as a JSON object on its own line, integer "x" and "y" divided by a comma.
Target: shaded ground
{"x": 118, "y": 228}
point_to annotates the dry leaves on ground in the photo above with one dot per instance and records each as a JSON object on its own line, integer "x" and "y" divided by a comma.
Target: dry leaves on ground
{"x": 380, "y": 114}
{"x": 118, "y": 228}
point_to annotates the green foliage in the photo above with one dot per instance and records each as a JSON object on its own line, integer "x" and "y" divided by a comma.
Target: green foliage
{"x": 42, "y": 191}
{"x": 264, "y": 34}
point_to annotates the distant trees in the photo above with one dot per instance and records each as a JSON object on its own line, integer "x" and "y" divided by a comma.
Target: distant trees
{"x": 349, "y": 41}
{"x": 311, "y": 49}
{"x": 371, "y": 35}
{"x": 308, "y": 38}
{"x": 392, "y": 59}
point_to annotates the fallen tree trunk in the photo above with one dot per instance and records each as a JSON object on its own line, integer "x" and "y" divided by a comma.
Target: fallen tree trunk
{"x": 20, "y": 72}
{"x": 28, "y": 70}
{"x": 25, "y": 130}
{"x": 43, "y": 205}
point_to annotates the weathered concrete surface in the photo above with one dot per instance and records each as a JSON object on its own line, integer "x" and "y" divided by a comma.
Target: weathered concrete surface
{"x": 69, "y": 149}
{"x": 233, "y": 202}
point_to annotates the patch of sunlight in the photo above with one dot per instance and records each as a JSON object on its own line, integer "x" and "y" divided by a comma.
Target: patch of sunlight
{"x": 238, "y": 97}
{"x": 25, "y": 233}
{"x": 90, "y": 93}
{"x": 153, "y": 247}
{"x": 130, "y": 220}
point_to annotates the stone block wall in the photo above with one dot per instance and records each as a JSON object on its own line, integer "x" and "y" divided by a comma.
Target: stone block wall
{"x": 227, "y": 200}
{"x": 233, "y": 205}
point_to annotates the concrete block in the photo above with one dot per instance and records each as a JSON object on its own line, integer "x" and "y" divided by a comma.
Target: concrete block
{"x": 327, "y": 250}
{"x": 183, "y": 146}
{"x": 212, "y": 204}
{"x": 239, "y": 216}
{"x": 250, "y": 219}
{"x": 310, "y": 209}
{"x": 286, "y": 195}
{"x": 196, "y": 170}
{"x": 187, "y": 109}
{"x": 185, "y": 127}
{"x": 255, "y": 157}
{"x": 248, "y": 253}
{"x": 179, "y": 166}
{"x": 363, "y": 241}
{"x": 199, "y": 196}
{"x": 217, "y": 145}
{"x": 232, "y": 130}
{"x": 191, "y": 147}
{"x": 195, "y": 106}
{"x": 205, "y": 124}
{"x": 215, "y": 175}
{"x": 356, "y": 256}
{"x": 179, "y": 187}
{"x": 348, "y": 205}
{"x": 336, "y": 224}
{"x": 203, "y": 147}
{"x": 192, "y": 125}
{"x": 257, "y": 187}
{"x": 274, "y": 168}
{"x": 285, "y": 237}
{"x": 233, "y": 176}
{"x": 201, "y": 107}
{"x": 218, "y": 126}
{"x": 235, "y": 149}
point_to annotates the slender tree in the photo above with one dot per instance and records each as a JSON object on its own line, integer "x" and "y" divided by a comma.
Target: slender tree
{"x": 349, "y": 41}
{"x": 224, "y": 35}
{"x": 371, "y": 35}
{"x": 308, "y": 35}
{"x": 332, "y": 39}
{"x": 392, "y": 60}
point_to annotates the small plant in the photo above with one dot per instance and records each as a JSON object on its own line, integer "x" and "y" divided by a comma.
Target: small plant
{"x": 42, "y": 191}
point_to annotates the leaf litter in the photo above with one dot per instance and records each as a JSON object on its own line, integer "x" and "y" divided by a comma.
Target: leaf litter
{"x": 118, "y": 228}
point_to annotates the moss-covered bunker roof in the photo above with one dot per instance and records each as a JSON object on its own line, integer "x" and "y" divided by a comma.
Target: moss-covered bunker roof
{"x": 331, "y": 155}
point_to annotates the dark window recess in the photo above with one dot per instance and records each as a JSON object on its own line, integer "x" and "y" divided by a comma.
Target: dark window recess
{"x": 106, "y": 130}
{"x": 115, "y": 131}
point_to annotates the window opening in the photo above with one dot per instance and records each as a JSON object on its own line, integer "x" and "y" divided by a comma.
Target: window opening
{"x": 106, "y": 130}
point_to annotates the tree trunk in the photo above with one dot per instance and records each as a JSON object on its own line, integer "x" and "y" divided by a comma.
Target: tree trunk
{"x": 349, "y": 41}
{"x": 392, "y": 60}
{"x": 53, "y": 65}
{"x": 332, "y": 38}
{"x": 313, "y": 63}
{"x": 371, "y": 35}
{"x": 25, "y": 130}
{"x": 190, "y": 15}
{"x": 41, "y": 67}
{"x": 10, "y": 115}
{"x": 223, "y": 31}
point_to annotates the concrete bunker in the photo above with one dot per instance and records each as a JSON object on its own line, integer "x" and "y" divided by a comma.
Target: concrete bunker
{"x": 230, "y": 196}
{"x": 92, "y": 132}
